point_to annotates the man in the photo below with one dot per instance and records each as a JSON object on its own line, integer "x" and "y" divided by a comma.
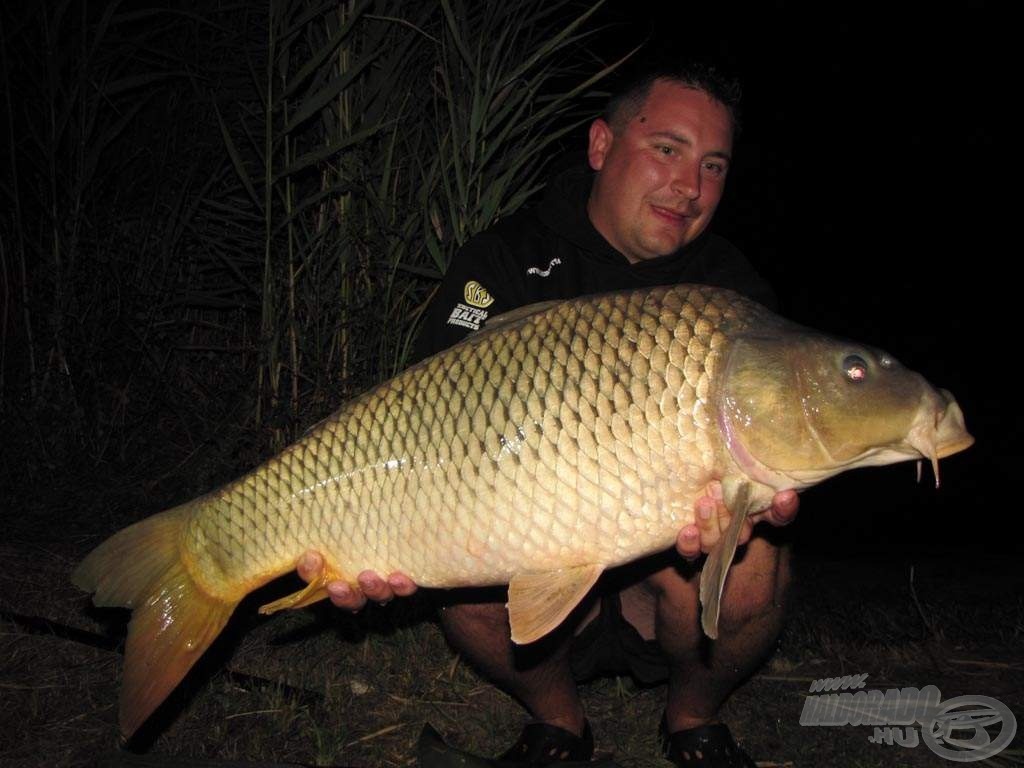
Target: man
{"x": 660, "y": 157}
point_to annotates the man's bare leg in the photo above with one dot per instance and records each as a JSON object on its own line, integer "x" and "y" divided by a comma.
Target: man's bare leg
{"x": 539, "y": 677}
{"x": 703, "y": 676}
{"x": 664, "y": 607}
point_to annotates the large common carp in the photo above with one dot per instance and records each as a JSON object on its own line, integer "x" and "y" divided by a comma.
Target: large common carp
{"x": 563, "y": 439}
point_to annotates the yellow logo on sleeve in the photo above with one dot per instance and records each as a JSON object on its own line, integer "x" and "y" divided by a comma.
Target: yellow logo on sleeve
{"x": 476, "y": 295}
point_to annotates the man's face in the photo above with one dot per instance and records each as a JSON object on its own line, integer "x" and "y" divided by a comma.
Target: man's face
{"x": 660, "y": 178}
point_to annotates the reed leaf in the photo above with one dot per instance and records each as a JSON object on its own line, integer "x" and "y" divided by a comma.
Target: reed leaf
{"x": 236, "y": 159}
{"x": 271, "y": 191}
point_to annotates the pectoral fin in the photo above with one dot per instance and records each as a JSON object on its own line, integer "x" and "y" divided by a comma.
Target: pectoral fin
{"x": 313, "y": 592}
{"x": 716, "y": 567}
{"x": 539, "y": 602}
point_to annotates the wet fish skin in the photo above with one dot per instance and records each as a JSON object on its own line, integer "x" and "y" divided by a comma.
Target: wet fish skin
{"x": 560, "y": 441}
{"x": 560, "y": 422}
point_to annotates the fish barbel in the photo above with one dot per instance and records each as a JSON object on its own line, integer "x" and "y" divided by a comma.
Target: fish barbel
{"x": 563, "y": 439}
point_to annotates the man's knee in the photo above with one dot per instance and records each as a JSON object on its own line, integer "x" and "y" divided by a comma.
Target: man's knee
{"x": 757, "y": 586}
{"x": 675, "y": 611}
{"x": 672, "y": 591}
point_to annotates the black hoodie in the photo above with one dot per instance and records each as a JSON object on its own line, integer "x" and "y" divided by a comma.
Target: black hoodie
{"x": 553, "y": 251}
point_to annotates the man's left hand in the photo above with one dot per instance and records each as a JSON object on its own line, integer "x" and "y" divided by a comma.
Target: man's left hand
{"x": 712, "y": 518}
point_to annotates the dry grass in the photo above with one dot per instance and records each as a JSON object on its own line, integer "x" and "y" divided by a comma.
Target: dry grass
{"x": 320, "y": 687}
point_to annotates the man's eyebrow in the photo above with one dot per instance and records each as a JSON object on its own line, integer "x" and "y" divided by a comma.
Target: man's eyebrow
{"x": 673, "y": 136}
{"x": 719, "y": 153}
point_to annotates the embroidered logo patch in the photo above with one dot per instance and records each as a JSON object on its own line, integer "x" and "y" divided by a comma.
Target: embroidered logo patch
{"x": 471, "y": 314}
{"x": 476, "y": 295}
{"x": 467, "y": 317}
{"x": 544, "y": 272}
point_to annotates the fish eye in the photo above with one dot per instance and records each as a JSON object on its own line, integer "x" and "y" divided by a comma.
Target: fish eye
{"x": 855, "y": 368}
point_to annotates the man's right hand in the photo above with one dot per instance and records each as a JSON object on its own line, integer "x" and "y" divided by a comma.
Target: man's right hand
{"x": 371, "y": 585}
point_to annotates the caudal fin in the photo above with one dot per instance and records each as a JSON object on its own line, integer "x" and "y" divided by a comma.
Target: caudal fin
{"x": 174, "y": 620}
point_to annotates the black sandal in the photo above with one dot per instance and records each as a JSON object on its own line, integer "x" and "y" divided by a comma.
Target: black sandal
{"x": 543, "y": 744}
{"x": 707, "y": 746}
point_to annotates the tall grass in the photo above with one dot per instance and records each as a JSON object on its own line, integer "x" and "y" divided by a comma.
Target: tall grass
{"x": 221, "y": 221}
{"x": 83, "y": 250}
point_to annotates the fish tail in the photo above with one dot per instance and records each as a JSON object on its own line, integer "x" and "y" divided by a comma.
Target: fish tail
{"x": 174, "y": 619}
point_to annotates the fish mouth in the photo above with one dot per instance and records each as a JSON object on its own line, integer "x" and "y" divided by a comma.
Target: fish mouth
{"x": 951, "y": 448}
{"x": 939, "y": 431}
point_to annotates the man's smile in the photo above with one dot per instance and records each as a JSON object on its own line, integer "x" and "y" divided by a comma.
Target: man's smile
{"x": 672, "y": 215}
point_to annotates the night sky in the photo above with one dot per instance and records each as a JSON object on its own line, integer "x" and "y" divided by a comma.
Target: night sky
{"x": 867, "y": 187}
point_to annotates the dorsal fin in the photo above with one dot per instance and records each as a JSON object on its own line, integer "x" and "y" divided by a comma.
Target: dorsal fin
{"x": 500, "y": 322}
{"x": 505, "y": 319}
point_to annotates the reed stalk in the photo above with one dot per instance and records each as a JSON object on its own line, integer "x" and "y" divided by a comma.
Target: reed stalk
{"x": 272, "y": 250}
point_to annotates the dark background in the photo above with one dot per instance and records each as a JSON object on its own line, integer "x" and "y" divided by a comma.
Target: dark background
{"x": 868, "y": 187}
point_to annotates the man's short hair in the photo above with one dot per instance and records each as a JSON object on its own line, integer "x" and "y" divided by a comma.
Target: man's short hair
{"x": 627, "y": 100}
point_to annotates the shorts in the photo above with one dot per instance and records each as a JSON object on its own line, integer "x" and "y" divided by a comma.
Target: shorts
{"x": 609, "y": 646}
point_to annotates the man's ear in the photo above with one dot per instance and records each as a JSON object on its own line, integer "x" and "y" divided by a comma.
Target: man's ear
{"x": 600, "y": 142}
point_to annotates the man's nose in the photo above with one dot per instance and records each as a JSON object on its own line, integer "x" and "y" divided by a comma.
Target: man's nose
{"x": 686, "y": 181}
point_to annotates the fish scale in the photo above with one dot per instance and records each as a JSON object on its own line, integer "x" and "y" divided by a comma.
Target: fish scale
{"x": 528, "y": 413}
{"x": 563, "y": 439}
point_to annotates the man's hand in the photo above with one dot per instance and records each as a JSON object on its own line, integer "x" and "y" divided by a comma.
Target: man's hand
{"x": 713, "y": 518}
{"x": 371, "y": 585}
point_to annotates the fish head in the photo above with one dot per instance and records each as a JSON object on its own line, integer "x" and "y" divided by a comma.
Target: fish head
{"x": 797, "y": 407}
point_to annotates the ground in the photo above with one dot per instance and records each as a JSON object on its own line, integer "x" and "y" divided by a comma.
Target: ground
{"x": 321, "y": 687}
